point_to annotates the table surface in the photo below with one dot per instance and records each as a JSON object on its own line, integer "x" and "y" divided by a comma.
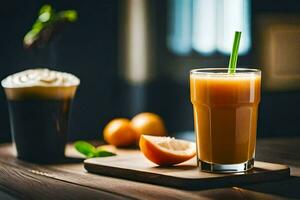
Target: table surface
{"x": 23, "y": 180}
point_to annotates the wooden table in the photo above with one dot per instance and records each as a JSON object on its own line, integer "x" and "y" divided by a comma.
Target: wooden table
{"x": 22, "y": 180}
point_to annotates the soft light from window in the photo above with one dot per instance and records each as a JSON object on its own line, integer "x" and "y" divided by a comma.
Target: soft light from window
{"x": 204, "y": 26}
{"x": 233, "y": 15}
{"x": 207, "y": 26}
{"x": 180, "y": 26}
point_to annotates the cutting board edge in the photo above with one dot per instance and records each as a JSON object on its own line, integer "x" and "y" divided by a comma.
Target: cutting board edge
{"x": 187, "y": 183}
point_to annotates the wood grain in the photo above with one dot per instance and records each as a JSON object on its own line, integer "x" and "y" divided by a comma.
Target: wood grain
{"x": 76, "y": 174}
{"x": 26, "y": 183}
{"x": 71, "y": 181}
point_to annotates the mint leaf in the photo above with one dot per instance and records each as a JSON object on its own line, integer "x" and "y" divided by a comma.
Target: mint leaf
{"x": 90, "y": 151}
{"x": 103, "y": 153}
{"x": 85, "y": 148}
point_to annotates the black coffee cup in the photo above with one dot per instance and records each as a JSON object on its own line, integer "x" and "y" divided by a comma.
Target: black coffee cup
{"x": 39, "y": 102}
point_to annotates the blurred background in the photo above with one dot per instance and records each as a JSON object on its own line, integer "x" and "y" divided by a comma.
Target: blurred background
{"x": 135, "y": 55}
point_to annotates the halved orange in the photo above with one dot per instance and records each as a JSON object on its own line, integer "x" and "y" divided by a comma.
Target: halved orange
{"x": 166, "y": 151}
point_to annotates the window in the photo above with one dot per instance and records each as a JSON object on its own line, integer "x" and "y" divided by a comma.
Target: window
{"x": 207, "y": 26}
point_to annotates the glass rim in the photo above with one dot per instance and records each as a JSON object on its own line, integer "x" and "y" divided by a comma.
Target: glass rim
{"x": 224, "y": 71}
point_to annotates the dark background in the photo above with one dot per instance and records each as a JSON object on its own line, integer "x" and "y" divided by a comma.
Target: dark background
{"x": 89, "y": 49}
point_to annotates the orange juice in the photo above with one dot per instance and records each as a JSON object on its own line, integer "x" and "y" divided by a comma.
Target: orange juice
{"x": 225, "y": 114}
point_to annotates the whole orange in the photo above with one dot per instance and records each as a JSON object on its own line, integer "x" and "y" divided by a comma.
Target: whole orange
{"x": 148, "y": 124}
{"x": 119, "y": 132}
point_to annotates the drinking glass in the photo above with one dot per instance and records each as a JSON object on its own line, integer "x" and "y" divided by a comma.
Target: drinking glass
{"x": 225, "y": 117}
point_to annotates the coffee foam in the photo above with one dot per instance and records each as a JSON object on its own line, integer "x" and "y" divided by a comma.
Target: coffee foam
{"x": 40, "y": 83}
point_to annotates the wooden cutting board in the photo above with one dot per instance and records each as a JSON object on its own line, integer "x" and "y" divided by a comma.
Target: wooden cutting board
{"x": 134, "y": 166}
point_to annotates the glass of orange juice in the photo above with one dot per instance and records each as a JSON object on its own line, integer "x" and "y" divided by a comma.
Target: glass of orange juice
{"x": 225, "y": 117}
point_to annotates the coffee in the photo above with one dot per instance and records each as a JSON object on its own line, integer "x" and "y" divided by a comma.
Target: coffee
{"x": 39, "y": 103}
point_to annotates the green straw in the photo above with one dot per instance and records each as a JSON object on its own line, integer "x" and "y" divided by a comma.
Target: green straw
{"x": 234, "y": 53}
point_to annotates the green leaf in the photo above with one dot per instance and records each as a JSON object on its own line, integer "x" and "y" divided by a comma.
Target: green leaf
{"x": 85, "y": 148}
{"x": 46, "y": 9}
{"x": 69, "y": 15}
{"x": 103, "y": 153}
{"x": 47, "y": 25}
{"x": 90, "y": 151}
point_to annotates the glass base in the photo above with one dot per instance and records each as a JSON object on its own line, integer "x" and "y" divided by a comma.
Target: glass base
{"x": 226, "y": 168}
